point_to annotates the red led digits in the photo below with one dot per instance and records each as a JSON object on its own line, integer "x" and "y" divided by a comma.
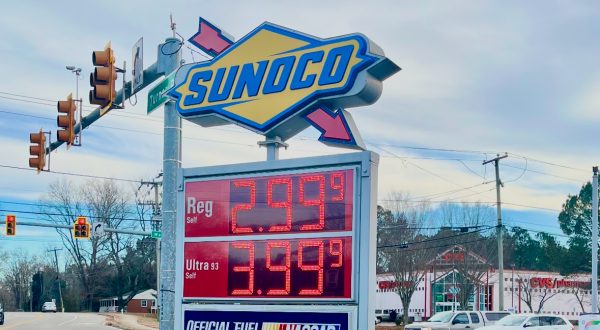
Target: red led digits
{"x": 318, "y": 267}
{"x": 336, "y": 252}
{"x": 249, "y": 268}
{"x": 320, "y": 202}
{"x": 280, "y": 268}
{"x": 337, "y": 183}
{"x": 243, "y": 207}
{"x": 287, "y": 204}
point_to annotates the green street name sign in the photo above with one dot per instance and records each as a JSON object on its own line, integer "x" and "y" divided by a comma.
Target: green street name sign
{"x": 156, "y": 96}
{"x": 156, "y": 234}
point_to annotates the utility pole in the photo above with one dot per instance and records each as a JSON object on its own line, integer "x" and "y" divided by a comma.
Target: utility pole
{"x": 595, "y": 240}
{"x": 499, "y": 232}
{"x": 62, "y": 307}
{"x": 156, "y": 217}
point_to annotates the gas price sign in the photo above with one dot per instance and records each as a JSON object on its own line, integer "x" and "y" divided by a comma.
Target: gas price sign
{"x": 278, "y": 217}
{"x": 277, "y": 235}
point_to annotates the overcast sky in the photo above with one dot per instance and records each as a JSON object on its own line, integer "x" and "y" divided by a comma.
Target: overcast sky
{"x": 478, "y": 78}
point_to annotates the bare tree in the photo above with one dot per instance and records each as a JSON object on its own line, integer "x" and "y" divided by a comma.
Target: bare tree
{"x": 18, "y": 276}
{"x": 403, "y": 245}
{"x": 108, "y": 203}
{"x": 581, "y": 290}
{"x": 531, "y": 295}
{"x": 472, "y": 268}
{"x": 466, "y": 215}
{"x": 467, "y": 224}
{"x": 62, "y": 205}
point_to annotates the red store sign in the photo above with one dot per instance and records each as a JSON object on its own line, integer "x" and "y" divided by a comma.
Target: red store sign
{"x": 549, "y": 283}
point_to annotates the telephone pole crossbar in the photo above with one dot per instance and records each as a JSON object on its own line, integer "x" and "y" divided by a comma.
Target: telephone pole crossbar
{"x": 499, "y": 232}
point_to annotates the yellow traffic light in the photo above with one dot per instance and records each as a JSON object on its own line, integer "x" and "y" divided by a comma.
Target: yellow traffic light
{"x": 38, "y": 150}
{"x": 103, "y": 78}
{"x": 11, "y": 225}
{"x": 81, "y": 228}
{"x": 67, "y": 122}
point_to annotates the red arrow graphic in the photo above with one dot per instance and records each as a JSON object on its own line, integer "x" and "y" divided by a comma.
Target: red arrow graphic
{"x": 210, "y": 39}
{"x": 332, "y": 125}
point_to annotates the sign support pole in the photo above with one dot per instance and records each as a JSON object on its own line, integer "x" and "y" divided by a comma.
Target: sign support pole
{"x": 595, "y": 240}
{"x": 273, "y": 144}
{"x": 171, "y": 162}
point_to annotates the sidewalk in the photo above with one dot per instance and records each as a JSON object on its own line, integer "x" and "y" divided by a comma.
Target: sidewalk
{"x": 130, "y": 321}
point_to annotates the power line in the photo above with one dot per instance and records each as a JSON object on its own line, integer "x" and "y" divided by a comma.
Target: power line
{"x": 424, "y": 169}
{"x": 24, "y": 98}
{"x": 436, "y": 149}
{"x": 125, "y": 115}
{"x": 549, "y": 163}
{"x": 449, "y": 192}
{"x": 439, "y": 227}
{"x": 70, "y": 215}
{"x": 539, "y": 231}
{"x": 67, "y": 173}
{"x": 434, "y": 239}
{"x": 47, "y": 204}
{"x": 544, "y": 173}
{"x": 133, "y": 130}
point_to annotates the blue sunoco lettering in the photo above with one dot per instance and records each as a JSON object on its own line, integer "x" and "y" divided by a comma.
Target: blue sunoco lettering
{"x": 270, "y": 76}
{"x": 215, "y": 95}
{"x": 297, "y": 80}
{"x": 195, "y": 87}
{"x": 329, "y": 77}
{"x": 250, "y": 80}
{"x": 283, "y": 64}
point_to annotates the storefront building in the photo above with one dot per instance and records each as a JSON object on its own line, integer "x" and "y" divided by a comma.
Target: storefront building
{"x": 461, "y": 280}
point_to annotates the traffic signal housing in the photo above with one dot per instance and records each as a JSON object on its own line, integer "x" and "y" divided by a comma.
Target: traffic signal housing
{"x": 103, "y": 78}
{"x": 11, "y": 225}
{"x": 67, "y": 121}
{"x": 38, "y": 150}
{"x": 81, "y": 228}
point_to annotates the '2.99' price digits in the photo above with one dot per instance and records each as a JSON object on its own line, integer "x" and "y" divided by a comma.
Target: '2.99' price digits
{"x": 292, "y": 203}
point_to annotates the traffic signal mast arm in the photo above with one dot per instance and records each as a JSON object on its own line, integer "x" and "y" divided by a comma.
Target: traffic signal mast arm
{"x": 151, "y": 74}
{"x": 70, "y": 227}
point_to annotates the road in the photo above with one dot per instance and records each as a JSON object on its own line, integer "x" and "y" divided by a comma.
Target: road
{"x": 52, "y": 321}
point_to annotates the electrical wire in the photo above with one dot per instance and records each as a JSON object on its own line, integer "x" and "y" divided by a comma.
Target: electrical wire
{"x": 434, "y": 239}
{"x": 70, "y": 174}
{"x": 135, "y": 130}
{"x": 51, "y": 205}
{"x": 68, "y": 215}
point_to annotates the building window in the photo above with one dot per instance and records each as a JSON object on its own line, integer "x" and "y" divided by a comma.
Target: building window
{"x": 144, "y": 303}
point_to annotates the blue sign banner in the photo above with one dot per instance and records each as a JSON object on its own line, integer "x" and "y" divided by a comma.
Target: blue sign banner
{"x": 256, "y": 320}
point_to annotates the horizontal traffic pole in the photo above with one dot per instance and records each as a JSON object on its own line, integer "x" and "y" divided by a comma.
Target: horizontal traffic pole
{"x": 151, "y": 74}
{"x": 52, "y": 225}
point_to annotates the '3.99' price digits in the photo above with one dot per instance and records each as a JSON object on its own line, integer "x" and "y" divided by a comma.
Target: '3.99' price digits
{"x": 297, "y": 267}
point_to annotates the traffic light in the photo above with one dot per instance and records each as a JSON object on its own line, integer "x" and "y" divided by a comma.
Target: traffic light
{"x": 81, "y": 228}
{"x": 38, "y": 150}
{"x": 67, "y": 122}
{"x": 11, "y": 225}
{"x": 103, "y": 78}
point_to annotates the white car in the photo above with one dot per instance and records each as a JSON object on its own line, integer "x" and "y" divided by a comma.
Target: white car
{"x": 531, "y": 322}
{"x": 49, "y": 306}
{"x": 458, "y": 320}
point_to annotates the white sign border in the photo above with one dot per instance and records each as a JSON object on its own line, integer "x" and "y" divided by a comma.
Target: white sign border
{"x": 364, "y": 228}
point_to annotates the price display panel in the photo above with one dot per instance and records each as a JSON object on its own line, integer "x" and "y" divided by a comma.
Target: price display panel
{"x": 294, "y": 203}
{"x": 278, "y": 268}
{"x": 270, "y": 236}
